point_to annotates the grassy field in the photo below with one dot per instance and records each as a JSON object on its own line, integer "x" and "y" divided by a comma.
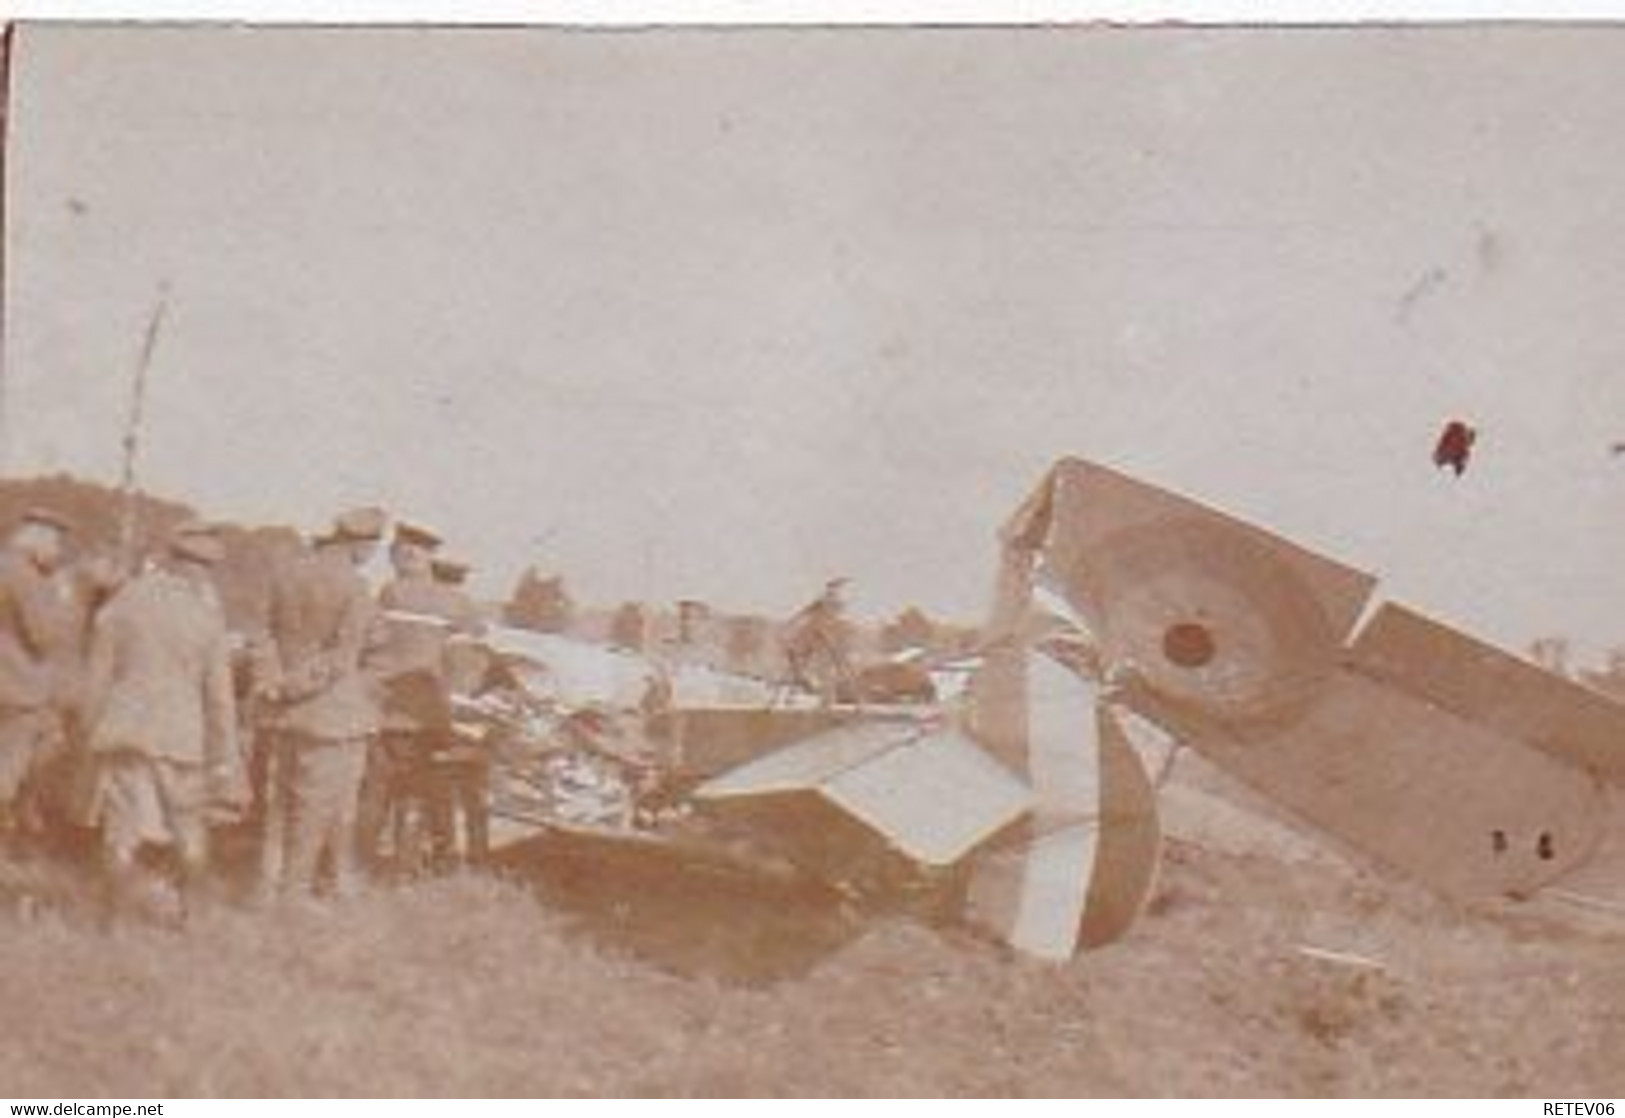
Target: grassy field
{"x": 474, "y": 987}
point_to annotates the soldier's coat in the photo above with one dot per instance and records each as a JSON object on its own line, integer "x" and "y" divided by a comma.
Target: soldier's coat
{"x": 39, "y": 641}
{"x": 321, "y": 616}
{"x": 160, "y": 711}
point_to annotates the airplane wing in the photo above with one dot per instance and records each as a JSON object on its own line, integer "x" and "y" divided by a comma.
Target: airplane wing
{"x": 1434, "y": 753}
{"x": 929, "y": 793}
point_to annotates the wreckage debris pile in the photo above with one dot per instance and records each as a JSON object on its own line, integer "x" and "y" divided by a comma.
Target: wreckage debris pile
{"x": 1213, "y": 994}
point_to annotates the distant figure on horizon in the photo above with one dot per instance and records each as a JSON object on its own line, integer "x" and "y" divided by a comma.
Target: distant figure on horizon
{"x": 815, "y": 645}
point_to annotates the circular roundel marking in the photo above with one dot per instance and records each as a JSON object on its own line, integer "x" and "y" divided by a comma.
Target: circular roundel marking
{"x": 1212, "y": 617}
{"x": 1189, "y": 644}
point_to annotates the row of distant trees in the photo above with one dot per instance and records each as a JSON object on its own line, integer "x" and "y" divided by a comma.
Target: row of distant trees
{"x": 539, "y": 601}
{"x": 1555, "y": 655}
{"x": 95, "y": 511}
{"x": 544, "y": 603}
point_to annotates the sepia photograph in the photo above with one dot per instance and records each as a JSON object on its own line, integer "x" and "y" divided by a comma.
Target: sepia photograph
{"x": 809, "y": 561}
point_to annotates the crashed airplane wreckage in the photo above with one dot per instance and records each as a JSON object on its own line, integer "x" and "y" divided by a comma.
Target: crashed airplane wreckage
{"x": 1025, "y": 808}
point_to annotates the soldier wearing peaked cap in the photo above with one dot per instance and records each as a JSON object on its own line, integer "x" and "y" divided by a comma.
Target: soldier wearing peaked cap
{"x": 465, "y": 661}
{"x": 39, "y": 652}
{"x": 409, "y": 665}
{"x": 418, "y": 536}
{"x": 319, "y": 712}
{"x": 449, "y": 572}
{"x": 360, "y": 525}
{"x": 160, "y": 715}
{"x": 418, "y": 609}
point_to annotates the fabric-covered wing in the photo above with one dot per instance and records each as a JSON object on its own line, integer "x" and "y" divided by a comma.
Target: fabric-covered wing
{"x": 1437, "y": 754}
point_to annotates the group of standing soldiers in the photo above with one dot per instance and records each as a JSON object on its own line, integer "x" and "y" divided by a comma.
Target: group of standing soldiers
{"x": 353, "y": 696}
{"x": 122, "y": 712}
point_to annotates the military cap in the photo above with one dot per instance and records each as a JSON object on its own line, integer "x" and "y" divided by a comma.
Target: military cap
{"x": 48, "y": 517}
{"x": 417, "y": 535}
{"x": 359, "y": 524}
{"x": 453, "y": 571}
{"x": 199, "y": 541}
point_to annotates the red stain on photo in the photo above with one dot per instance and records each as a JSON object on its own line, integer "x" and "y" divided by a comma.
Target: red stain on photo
{"x": 1455, "y": 446}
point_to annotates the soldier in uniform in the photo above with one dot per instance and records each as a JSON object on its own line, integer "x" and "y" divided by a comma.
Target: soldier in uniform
{"x": 460, "y": 787}
{"x": 39, "y": 642}
{"x": 466, "y": 660}
{"x": 160, "y": 716}
{"x": 63, "y": 783}
{"x": 409, "y": 665}
{"x": 319, "y": 712}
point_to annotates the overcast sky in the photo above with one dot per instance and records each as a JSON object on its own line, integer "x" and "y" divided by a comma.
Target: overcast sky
{"x": 722, "y": 313}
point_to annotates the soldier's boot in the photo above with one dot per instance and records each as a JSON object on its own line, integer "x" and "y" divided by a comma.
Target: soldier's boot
{"x": 27, "y": 826}
{"x": 374, "y": 810}
{"x": 440, "y": 812}
{"x": 477, "y": 826}
{"x": 21, "y": 829}
{"x": 8, "y": 830}
{"x": 270, "y": 874}
{"x": 347, "y": 880}
{"x": 120, "y": 890}
{"x": 193, "y": 889}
